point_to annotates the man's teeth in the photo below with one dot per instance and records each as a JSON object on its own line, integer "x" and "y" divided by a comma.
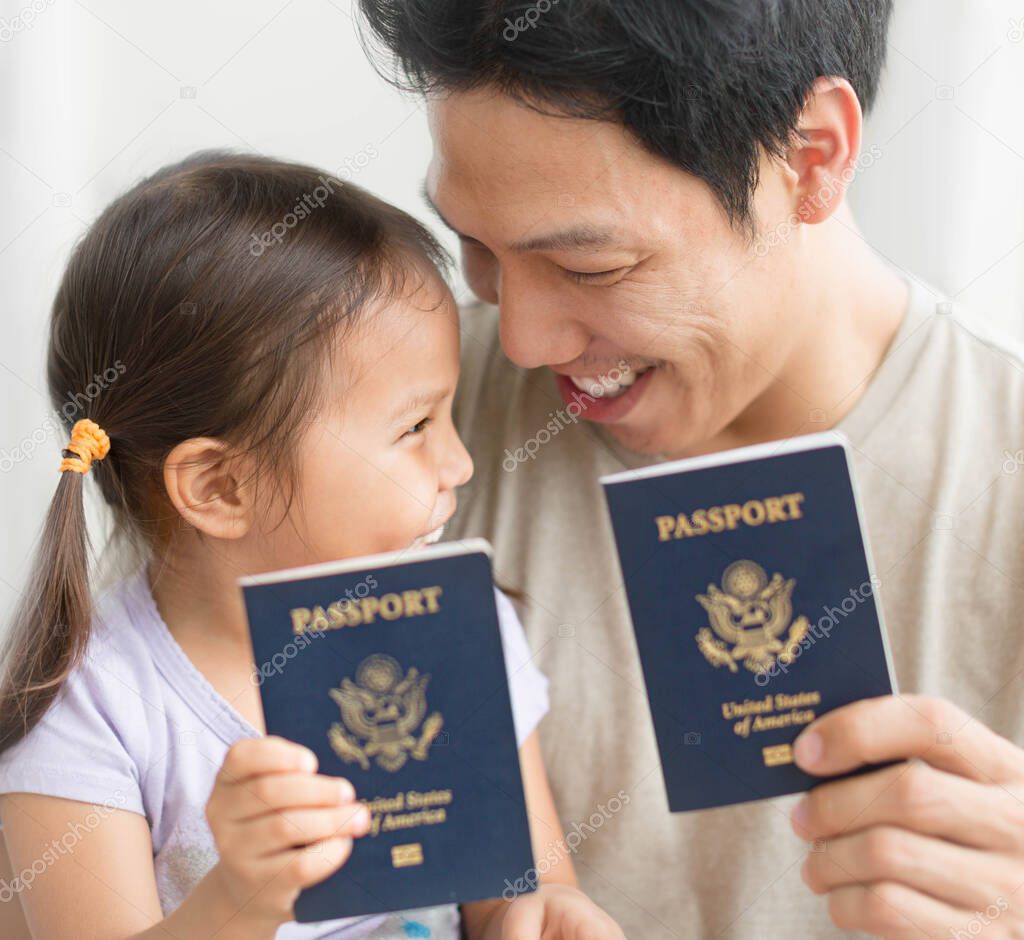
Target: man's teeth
{"x": 604, "y": 386}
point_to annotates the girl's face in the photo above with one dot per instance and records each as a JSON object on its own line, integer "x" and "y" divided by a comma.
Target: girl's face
{"x": 378, "y": 467}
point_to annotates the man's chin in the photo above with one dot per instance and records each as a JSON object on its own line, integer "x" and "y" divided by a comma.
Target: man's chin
{"x": 654, "y": 442}
{"x": 637, "y": 440}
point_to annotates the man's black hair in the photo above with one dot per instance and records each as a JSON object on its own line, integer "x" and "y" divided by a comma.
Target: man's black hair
{"x": 708, "y": 84}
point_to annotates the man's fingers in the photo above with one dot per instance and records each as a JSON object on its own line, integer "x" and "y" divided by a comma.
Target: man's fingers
{"x": 931, "y": 866}
{"x": 873, "y": 731}
{"x": 895, "y": 912}
{"x": 916, "y": 797}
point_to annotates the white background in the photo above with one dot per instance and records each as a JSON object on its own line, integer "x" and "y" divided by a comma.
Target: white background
{"x": 95, "y": 94}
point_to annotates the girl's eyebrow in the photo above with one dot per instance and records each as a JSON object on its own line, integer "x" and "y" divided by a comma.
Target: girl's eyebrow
{"x": 418, "y": 400}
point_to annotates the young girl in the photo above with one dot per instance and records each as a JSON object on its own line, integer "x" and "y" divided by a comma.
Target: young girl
{"x": 282, "y": 354}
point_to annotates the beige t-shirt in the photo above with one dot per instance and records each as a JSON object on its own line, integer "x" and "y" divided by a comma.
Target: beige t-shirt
{"x": 937, "y": 441}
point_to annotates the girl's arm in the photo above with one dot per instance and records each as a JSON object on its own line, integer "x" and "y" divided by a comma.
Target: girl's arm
{"x": 557, "y": 907}
{"x": 277, "y": 824}
{"x": 98, "y": 884}
{"x": 12, "y": 920}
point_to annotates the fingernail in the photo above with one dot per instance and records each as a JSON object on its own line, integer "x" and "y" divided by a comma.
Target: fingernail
{"x": 798, "y": 817}
{"x": 362, "y": 818}
{"x": 346, "y": 792}
{"x": 809, "y": 749}
{"x": 309, "y": 761}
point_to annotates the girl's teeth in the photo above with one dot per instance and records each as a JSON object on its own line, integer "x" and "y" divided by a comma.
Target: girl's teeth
{"x": 601, "y": 386}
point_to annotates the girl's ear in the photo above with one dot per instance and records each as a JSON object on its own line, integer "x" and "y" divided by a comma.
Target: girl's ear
{"x": 204, "y": 480}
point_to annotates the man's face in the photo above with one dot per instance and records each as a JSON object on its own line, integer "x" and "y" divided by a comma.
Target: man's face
{"x": 612, "y": 266}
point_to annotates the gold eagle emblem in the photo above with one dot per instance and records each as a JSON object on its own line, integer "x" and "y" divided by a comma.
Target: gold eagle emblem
{"x": 750, "y": 616}
{"x": 382, "y": 716}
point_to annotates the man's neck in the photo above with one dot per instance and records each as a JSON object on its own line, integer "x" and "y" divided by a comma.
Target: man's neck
{"x": 851, "y": 306}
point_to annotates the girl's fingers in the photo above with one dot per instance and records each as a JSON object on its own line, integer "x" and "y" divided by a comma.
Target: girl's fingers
{"x": 269, "y": 793}
{"x": 312, "y": 863}
{"x": 252, "y": 757}
{"x": 555, "y": 911}
{"x": 524, "y": 919}
{"x": 280, "y": 831}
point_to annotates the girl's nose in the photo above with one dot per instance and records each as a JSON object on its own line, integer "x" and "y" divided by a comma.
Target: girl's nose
{"x": 458, "y": 465}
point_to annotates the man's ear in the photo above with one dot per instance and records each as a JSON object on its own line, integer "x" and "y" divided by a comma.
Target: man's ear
{"x": 822, "y": 157}
{"x": 203, "y": 479}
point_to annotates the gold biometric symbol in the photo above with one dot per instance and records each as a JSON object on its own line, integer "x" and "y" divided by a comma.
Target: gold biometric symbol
{"x": 750, "y": 614}
{"x": 382, "y": 713}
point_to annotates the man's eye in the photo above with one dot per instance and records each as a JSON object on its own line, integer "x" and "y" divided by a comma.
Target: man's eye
{"x": 418, "y": 427}
{"x": 595, "y": 277}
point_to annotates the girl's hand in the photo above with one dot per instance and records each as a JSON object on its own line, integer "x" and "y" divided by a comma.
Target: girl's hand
{"x": 279, "y": 826}
{"x": 557, "y": 912}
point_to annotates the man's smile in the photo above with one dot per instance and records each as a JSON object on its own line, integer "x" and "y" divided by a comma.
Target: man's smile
{"x": 606, "y": 398}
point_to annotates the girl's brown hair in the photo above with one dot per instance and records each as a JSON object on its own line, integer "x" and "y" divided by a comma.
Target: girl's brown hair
{"x": 207, "y": 296}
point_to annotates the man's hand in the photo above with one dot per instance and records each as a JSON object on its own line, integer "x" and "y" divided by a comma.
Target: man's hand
{"x": 932, "y": 846}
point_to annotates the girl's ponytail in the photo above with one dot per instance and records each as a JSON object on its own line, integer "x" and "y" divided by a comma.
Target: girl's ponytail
{"x": 51, "y": 624}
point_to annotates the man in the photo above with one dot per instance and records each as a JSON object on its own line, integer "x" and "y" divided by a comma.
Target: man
{"x": 652, "y": 194}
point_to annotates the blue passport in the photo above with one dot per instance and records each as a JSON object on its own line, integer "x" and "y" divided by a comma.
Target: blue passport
{"x": 755, "y": 608}
{"x": 390, "y": 668}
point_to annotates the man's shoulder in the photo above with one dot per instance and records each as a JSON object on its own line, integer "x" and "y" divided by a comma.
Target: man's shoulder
{"x": 948, "y": 375}
{"x": 940, "y": 430}
{"x": 994, "y": 354}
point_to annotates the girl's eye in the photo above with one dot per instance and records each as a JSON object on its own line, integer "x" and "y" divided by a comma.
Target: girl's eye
{"x": 418, "y": 427}
{"x": 595, "y": 277}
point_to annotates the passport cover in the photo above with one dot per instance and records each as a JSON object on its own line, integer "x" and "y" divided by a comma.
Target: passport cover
{"x": 755, "y": 609}
{"x": 390, "y": 668}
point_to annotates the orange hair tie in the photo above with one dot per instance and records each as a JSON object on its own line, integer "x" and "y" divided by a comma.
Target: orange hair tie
{"x": 89, "y": 442}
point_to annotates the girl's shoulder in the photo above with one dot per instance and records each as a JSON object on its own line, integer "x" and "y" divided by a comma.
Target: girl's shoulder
{"x": 528, "y": 686}
{"x": 98, "y": 732}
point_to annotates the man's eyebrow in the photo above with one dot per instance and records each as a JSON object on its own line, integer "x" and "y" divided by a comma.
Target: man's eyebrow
{"x": 433, "y": 208}
{"x": 582, "y": 236}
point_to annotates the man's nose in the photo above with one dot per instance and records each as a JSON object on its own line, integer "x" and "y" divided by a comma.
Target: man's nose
{"x": 535, "y": 329}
